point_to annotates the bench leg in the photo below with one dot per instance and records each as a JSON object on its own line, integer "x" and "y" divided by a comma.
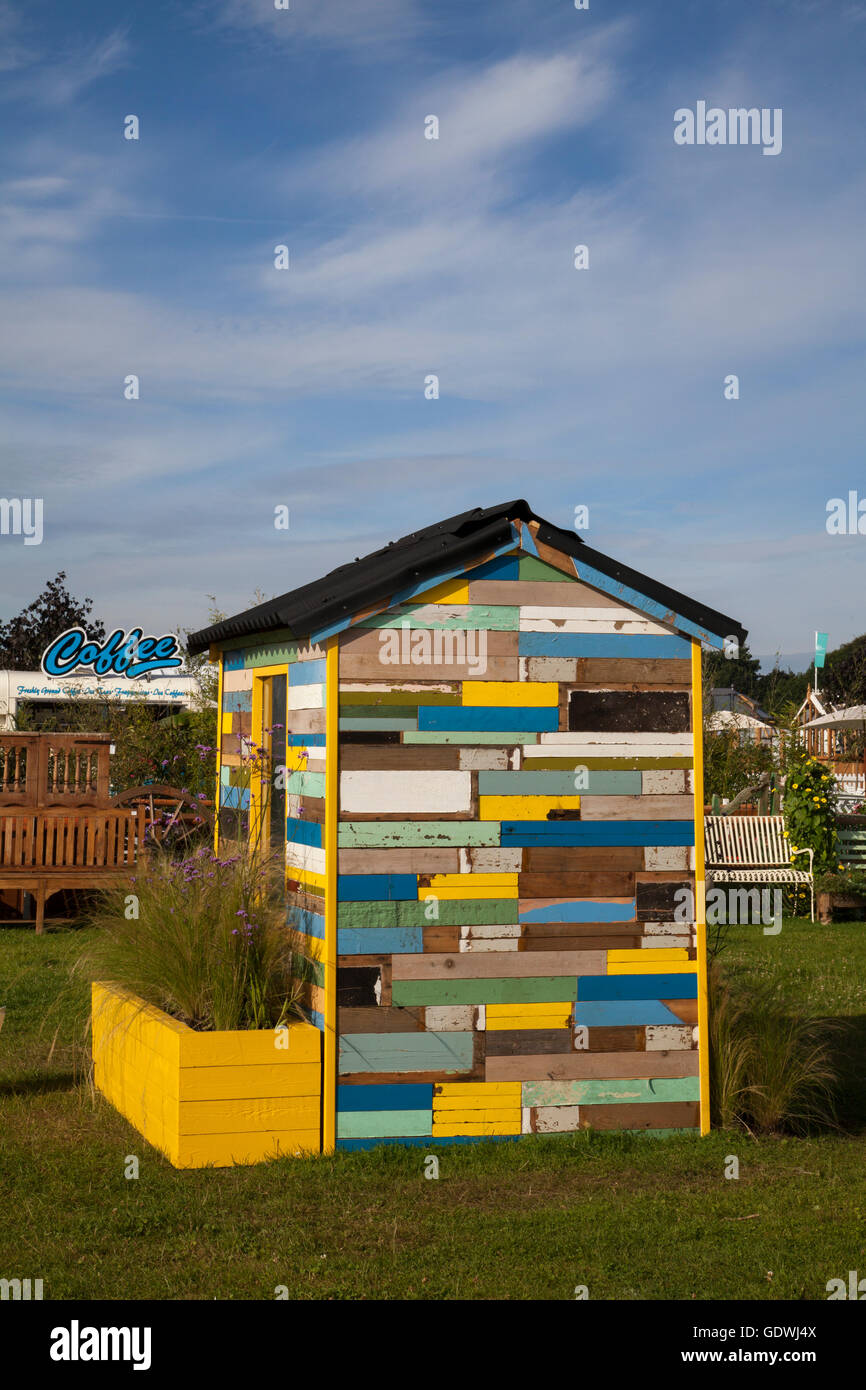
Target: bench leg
{"x": 40, "y": 911}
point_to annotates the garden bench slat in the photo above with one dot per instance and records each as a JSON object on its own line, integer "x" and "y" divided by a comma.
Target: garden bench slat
{"x": 752, "y": 849}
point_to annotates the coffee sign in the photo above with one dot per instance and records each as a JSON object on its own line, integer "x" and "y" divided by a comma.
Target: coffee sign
{"x": 122, "y": 654}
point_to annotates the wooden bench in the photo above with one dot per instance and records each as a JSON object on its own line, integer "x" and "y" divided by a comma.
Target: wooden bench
{"x": 753, "y": 849}
{"x": 46, "y": 850}
{"x": 851, "y": 835}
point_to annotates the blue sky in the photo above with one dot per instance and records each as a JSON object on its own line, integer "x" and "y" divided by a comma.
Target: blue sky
{"x": 409, "y": 256}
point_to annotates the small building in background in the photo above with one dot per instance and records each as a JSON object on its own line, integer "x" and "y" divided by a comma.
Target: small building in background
{"x": 730, "y": 709}
{"x": 48, "y": 698}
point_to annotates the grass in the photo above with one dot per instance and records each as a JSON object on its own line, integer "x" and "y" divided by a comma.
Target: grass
{"x": 629, "y": 1216}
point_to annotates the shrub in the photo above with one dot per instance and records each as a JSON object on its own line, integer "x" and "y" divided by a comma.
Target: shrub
{"x": 810, "y": 808}
{"x": 210, "y": 944}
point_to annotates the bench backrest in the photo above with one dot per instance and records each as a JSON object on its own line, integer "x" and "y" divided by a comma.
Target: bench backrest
{"x": 746, "y": 841}
{"x": 852, "y": 846}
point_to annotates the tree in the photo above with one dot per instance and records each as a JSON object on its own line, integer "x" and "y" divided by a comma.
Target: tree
{"x": 24, "y": 639}
{"x": 843, "y": 679}
{"x": 740, "y": 672}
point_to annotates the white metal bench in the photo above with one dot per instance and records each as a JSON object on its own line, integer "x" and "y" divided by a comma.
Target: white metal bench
{"x": 753, "y": 849}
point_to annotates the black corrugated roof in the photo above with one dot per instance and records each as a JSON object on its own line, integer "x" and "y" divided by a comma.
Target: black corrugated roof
{"x": 422, "y": 555}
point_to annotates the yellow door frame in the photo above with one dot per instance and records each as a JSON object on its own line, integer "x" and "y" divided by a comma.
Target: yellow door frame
{"x": 700, "y": 888}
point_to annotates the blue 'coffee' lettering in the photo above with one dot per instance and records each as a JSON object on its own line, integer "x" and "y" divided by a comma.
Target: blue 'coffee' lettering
{"x": 122, "y": 653}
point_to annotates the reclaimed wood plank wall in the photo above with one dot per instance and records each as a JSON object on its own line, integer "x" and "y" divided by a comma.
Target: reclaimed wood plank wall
{"x": 513, "y": 834}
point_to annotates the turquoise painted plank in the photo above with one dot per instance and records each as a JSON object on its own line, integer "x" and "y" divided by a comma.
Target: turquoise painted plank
{"x": 237, "y": 701}
{"x": 551, "y": 989}
{"x": 439, "y": 1141}
{"x": 593, "y": 782}
{"x": 585, "y": 910}
{"x": 380, "y": 941}
{"x": 367, "y": 888}
{"x": 306, "y": 783}
{"x": 623, "y": 1013}
{"x": 636, "y": 986}
{"x": 380, "y": 1124}
{"x": 447, "y": 912}
{"x": 594, "y": 1092}
{"x": 303, "y": 832}
{"x": 363, "y": 834}
{"x": 609, "y": 644}
{"x": 406, "y": 1052}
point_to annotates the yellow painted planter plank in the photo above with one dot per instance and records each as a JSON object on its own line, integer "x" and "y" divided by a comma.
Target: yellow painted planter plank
{"x": 207, "y": 1098}
{"x": 451, "y": 1131}
{"x": 467, "y": 1093}
{"x": 655, "y": 967}
{"x": 639, "y": 956}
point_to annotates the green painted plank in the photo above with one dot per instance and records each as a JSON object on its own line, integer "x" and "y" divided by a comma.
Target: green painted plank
{"x": 442, "y": 834}
{"x": 594, "y": 1092}
{"x": 410, "y": 698}
{"x": 502, "y": 739}
{"x": 493, "y": 618}
{"x": 381, "y": 1124}
{"x": 547, "y": 989}
{"x": 306, "y": 783}
{"x": 560, "y": 783}
{"x": 449, "y": 912}
{"x": 531, "y": 568}
{"x": 406, "y": 1052}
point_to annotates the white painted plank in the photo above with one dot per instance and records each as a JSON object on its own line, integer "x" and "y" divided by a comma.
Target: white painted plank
{"x": 423, "y": 792}
{"x": 306, "y": 697}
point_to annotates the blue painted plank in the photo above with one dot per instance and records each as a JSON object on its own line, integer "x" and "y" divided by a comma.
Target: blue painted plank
{"x": 480, "y": 718}
{"x": 586, "y": 910}
{"x": 652, "y": 607}
{"x": 371, "y": 888}
{"x": 307, "y": 672}
{"x": 683, "y": 986}
{"x": 305, "y": 740}
{"x": 401, "y": 1095}
{"x": 611, "y": 644}
{"x": 310, "y": 923}
{"x": 622, "y": 1013}
{"x": 234, "y": 798}
{"x": 377, "y": 941}
{"x": 303, "y": 832}
{"x": 571, "y": 832}
{"x": 237, "y": 701}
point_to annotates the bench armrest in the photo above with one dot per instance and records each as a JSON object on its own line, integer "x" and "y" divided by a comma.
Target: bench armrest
{"x": 811, "y": 854}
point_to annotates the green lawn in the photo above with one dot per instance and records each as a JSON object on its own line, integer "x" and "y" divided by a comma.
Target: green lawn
{"x": 630, "y": 1217}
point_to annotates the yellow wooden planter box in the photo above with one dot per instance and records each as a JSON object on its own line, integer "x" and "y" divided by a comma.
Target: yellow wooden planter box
{"x": 207, "y": 1098}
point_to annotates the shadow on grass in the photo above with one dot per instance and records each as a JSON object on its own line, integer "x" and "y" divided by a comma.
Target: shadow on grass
{"x": 847, "y": 1042}
{"x": 39, "y": 1085}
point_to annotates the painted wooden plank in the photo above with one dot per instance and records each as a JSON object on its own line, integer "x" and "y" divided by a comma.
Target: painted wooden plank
{"x": 403, "y": 693}
{"x": 486, "y": 1129}
{"x": 548, "y": 668}
{"x": 511, "y": 737}
{"x": 305, "y": 697}
{"x": 374, "y": 1124}
{"x": 539, "y": 758}
{"x": 661, "y": 857}
{"x": 368, "y": 666}
{"x": 417, "y": 834}
{"x": 248, "y": 1115}
{"x": 523, "y": 964}
{"x": 405, "y": 792}
{"x": 541, "y": 618}
{"x": 539, "y": 592}
{"x": 402, "y": 1095}
{"x": 482, "y": 1093}
{"x": 529, "y": 808}
{"x": 667, "y": 782}
{"x": 590, "y": 910}
{"x": 399, "y": 861}
{"x": 574, "y": 884}
{"x": 486, "y": 759}
{"x": 661, "y": 900}
{"x": 637, "y": 958}
{"x": 621, "y": 1013}
{"x": 611, "y": 1091}
{"x": 306, "y": 784}
{"x": 441, "y": 643}
{"x": 578, "y": 644}
{"x": 442, "y": 911}
{"x": 493, "y": 861}
{"x": 670, "y": 1037}
{"x": 483, "y": 718}
{"x": 503, "y": 990}
{"x": 377, "y": 887}
{"x": 580, "y": 1065}
{"x": 546, "y": 859}
{"x": 523, "y": 1041}
{"x": 652, "y": 985}
{"x": 227, "y": 1150}
{"x": 522, "y": 694}
{"x": 379, "y": 1018}
{"x": 262, "y": 1080}
{"x": 649, "y": 965}
{"x": 464, "y": 616}
{"x": 380, "y": 757}
{"x": 637, "y": 832}
{"x": 556, "y": 1020}
{"x": 354, "y": 941}
{"x": 406, "y": 1052}
{"x": 379, "y": 724}
{"x": 629, "y": 711}
{"x": 618, "y": 743}
{"x": 306, "y": 857}
{"x": 453, "y": 1019}
{"x": 483, "y": 945}
{"x": 669, "y": 1115}
{"x": 597, "y": 808}
{"x": 476, "y": 931}
{"x": 559, "y": 1119}
{"x": 471, "y": 885}
{"x": 559, "y": 783}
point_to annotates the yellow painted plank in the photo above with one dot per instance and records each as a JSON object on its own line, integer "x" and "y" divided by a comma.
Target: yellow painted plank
{"x": 248, "y": 1116}
{"x": 654, "y": 967}
{"x": 316, "y": 882}
{"x": 225, "y": 1150}
{"x": 700, "y": 893}
{"x": 494, "y": 1011}
{"x": 456, "y": 886}
{"x": 482, "y": 1091}
{"x": 524, "y": 807}
{"x": 301, "y": 1044}
{"x": 508, "y": 1023}
{"x": 524, "y": 694}
{"x": 491, "y": 1115}
{"x": 450, "y": 1131}
{"x": 450, "y": 591}
{"x": 622, "y": 956}
{"x": 234, "y": 1083}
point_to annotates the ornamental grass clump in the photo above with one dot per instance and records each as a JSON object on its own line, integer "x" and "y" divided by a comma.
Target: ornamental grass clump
{"x": 205, "y": 939}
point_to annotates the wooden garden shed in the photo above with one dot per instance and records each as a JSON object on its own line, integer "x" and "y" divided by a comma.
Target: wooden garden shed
{"x": 493, "y": 803}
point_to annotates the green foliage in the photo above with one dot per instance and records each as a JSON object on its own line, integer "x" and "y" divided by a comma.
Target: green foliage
{"x": 729, "y": 765}
{"x": 740, "y": 672}
{"x": 771, "y": 1066}
{"x": 209, "y": 944}
{"x": 23, "y": 639}
{"x": 810, "y": 808}
{"x": 843, "y": 680}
